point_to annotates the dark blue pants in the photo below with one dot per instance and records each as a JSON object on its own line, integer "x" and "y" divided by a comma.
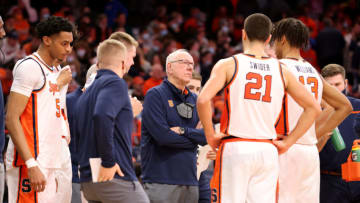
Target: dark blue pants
{"x": 335, "y": 190}
{"x": 204, "y": 185}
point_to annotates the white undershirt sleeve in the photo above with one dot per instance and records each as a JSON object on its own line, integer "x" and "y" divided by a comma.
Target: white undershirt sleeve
{"x": 28, "y": 76}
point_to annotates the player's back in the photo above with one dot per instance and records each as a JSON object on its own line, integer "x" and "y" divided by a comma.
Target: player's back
{"x": 307, "y": 75}
{"x": 253, "y": 98}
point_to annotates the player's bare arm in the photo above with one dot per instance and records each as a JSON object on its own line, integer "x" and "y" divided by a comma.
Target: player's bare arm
{"x": 221, "y": 73}
{"x": 325, "y": 113}
{"x": 311, "y": 110}
{"x": 15, "y": 107}
{"x": 341, "y": 109}
{"x": 323, "y": 140}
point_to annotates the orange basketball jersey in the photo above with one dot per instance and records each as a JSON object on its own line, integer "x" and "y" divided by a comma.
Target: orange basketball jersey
{"x": 42, "y": 120}
{"x": 253, "y": 98}
{"x": 307, "y": 75}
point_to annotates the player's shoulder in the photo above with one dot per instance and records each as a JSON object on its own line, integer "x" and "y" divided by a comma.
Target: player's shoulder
{"x": 28, "y": 67}
{"x": 226, "y": 63}
{"x": 285, "y": 63}
{"x": 294, "y": 61}
{"x": 29, "y": 62}
{"x": 287, "y": 60}
{"x": 289, "y": 63}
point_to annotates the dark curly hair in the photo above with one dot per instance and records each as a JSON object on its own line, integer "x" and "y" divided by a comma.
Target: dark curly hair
{"x": 54, "y": 25}
{"x": 295, "y": 32}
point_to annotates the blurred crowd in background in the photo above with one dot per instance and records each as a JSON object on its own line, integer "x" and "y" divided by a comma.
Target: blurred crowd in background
{"x": 210, "y": 30}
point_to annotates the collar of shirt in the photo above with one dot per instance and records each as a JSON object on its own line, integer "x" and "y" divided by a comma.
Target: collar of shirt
{"x": 182, "y": 95}
{"x": 79, "y": 90}
{"x": 104, "y": 72}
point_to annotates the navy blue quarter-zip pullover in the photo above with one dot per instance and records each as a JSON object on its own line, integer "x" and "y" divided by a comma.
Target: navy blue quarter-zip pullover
{"x": 167, "y": 157}
{"x": 104, "y": 125}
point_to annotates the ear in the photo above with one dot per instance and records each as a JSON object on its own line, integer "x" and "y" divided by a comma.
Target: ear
{"x": 47, "y": 40}
{"x": 244, "y": 36}
{"x": 168, "y": 68}
{"x": 268, "y": 39}
{"x": 346, "y": 83}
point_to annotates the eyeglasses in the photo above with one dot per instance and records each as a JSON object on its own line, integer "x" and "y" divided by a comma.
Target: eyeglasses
{"x": 183, "y": 62}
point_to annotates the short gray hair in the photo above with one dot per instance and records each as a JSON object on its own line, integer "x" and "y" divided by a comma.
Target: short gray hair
{"x": 173, "y": 54}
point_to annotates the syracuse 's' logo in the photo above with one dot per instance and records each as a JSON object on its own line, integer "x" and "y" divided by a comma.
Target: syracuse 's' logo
{"x": 171, "y": 103}
{"x": 53, "y": 88}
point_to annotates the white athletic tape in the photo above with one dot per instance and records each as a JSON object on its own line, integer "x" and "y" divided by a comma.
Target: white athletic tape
{"x": 31, "y": 163}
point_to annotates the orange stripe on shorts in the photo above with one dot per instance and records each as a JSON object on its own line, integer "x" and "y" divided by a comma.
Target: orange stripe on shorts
{"x": 25, "y": 193}
{"x": 215, "y": 183}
